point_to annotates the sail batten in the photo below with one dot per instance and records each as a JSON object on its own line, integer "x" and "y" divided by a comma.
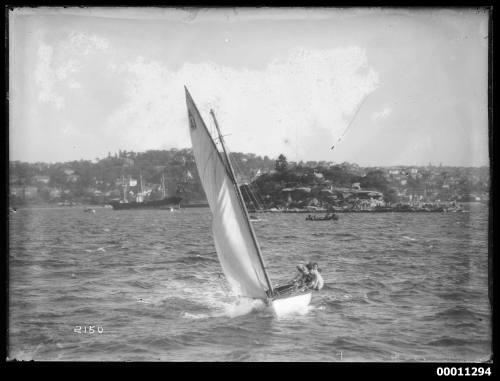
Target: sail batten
{"x": 236, "y": 248}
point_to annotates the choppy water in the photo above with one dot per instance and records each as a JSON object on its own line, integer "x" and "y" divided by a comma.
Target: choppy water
{"x": 399, "y": 287}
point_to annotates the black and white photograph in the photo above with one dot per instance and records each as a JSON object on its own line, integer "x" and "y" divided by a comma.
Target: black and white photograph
{"x": 249, "y": 184}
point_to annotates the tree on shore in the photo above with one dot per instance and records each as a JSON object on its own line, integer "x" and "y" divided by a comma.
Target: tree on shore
{"x": 281, "y": 164}
{"x": 375, "y": 180}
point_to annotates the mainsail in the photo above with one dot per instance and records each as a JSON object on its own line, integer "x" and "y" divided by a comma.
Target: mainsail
{"x": 235, "y": 243}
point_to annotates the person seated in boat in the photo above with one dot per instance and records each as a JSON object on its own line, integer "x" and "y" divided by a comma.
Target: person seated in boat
{"x": 302, "y": 277}
{"x": 316, "y": 280}
{"x": 301, "y": 280}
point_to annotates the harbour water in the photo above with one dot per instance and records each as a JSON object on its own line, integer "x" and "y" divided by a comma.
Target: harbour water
{"x": 399, "y": 287}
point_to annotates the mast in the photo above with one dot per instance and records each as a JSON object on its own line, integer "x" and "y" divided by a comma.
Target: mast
{"x": 142, "y": 188}
{"x": 124, "y": 186}
{"x": 242, "y": 203}
{"x": 163, "y": 184}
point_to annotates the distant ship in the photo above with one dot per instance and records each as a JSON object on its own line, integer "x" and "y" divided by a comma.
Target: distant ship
{"x": 165, "y": 203}
{"x": 140, "y": 203}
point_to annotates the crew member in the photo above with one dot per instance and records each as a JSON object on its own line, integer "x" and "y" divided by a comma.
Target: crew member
{"x": 302, "y": 277}
{"x": 316, "y": 282}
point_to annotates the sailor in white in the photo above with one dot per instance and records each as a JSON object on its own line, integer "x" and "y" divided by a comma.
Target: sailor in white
{"x": 317, "y": 281}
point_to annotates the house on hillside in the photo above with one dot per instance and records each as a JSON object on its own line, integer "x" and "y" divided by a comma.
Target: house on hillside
{"x": 24, "y": 192}
{"x": 367, "y": 199}
{"x": 394, "y": 171}
{"x": 72, "y": 178}
{"x": 41, "y": 179}
{"x": 54, "y": 193}
{"x": 319, "y": 176}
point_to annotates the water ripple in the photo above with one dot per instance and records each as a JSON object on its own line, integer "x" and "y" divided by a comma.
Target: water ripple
{"x": 399, "y": 287}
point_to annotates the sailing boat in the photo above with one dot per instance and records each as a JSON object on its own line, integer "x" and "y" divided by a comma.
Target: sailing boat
{"x": 236, "y": 244}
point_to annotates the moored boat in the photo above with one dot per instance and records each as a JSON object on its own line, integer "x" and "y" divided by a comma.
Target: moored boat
{"x": 327, "y": 217}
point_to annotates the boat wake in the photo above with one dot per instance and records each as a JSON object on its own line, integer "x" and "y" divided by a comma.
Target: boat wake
{"x": 243, "y": 307}
{"x": 231, "y": 310}
{"x": 202, "y": 302}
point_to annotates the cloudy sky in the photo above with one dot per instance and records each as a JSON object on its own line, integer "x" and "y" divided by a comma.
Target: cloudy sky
{"x": 410, "y": 85}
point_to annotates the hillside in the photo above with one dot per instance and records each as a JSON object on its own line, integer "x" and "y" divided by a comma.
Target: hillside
{"x": 266, "y": 183}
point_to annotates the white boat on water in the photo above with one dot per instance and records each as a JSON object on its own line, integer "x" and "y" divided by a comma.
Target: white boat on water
{"x": 236, "y": 244}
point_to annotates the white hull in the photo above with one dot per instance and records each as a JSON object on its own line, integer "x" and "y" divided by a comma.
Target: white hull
{"x": 292, "y": 304}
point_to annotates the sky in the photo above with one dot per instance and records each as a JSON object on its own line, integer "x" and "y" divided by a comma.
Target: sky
{"x": 383, "y": 86}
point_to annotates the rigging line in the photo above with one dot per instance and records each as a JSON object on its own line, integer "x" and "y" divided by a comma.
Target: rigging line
{"x": 252, "y": 198}
{"x": 259, "y": 199}
{"x": 352, "y": 120}
{"x": 256, "y": 194}
{"x": 252, "y": 190}
{"x": 248, "y": 186}
{"x": 218, "y": 139}
{"x": 238, "y": 169}
{"x": 256, "y": 197}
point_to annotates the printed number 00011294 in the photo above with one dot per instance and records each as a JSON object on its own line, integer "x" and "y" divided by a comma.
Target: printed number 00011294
{"x": 459, "y": 371}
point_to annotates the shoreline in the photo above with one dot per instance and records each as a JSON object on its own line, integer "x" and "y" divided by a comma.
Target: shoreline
{"x": 404, "y": 209}
{"x": 357, "y": 211}
{"x": 459, "y": 208}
